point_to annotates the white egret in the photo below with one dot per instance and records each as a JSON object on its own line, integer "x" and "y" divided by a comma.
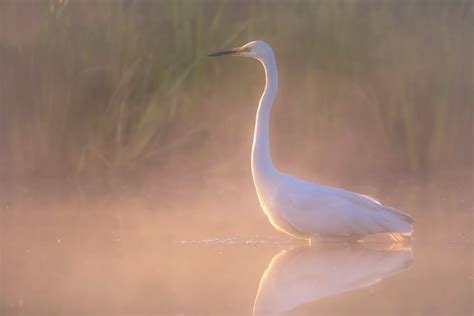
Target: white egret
{"x": 300, "y": 208}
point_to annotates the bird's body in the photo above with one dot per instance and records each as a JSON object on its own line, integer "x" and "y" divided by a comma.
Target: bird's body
{"x": 301, "y": 208}
{"x": 307, "y": 210}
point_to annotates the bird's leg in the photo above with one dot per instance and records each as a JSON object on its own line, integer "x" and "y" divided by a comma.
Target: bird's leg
{"x": 315, "y": 240}
{"x": 392, "y": 237}
{"x": 399, "y": 238}
{"x": 399, "y": 246}
{"x": 395, "y": 237}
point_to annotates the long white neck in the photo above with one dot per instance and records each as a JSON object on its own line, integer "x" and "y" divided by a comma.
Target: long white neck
{"x": 262, "y": 167}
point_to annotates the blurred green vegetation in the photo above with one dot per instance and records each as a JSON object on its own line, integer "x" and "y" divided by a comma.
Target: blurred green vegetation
{"x": 88, "y": 86}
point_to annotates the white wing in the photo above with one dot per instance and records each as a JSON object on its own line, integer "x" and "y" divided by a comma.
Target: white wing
{"x": 317, "y": 209}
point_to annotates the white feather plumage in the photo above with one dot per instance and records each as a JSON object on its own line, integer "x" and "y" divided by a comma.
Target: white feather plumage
{"x": 300, "y": 208}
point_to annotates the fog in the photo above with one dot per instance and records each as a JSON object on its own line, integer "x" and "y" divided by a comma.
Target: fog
{"x": 125, "y": 181}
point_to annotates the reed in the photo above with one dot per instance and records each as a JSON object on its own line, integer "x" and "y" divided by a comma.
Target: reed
{"x": 94, "y": 85}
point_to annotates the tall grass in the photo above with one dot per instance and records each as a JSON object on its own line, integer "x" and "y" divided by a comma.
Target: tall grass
{"x": 107, "y": 85}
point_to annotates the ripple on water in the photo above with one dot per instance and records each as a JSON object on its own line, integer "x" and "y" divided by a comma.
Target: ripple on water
{"x": 240, "y": 240}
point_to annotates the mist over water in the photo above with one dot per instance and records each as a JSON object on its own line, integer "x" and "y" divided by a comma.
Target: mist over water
{"x": 202, "y": 249}
{"x": 125, "y": 182}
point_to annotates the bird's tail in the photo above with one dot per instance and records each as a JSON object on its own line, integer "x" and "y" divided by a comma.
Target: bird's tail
{"x": 406, "y": 227}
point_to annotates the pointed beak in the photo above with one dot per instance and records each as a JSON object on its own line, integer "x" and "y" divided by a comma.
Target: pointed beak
{"x": 233, "y": 51}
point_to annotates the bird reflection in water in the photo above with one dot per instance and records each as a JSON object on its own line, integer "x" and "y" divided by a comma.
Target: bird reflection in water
{"x": 307, "y": 274}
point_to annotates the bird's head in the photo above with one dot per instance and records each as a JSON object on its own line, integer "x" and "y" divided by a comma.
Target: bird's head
{"x": 256, "y": 49}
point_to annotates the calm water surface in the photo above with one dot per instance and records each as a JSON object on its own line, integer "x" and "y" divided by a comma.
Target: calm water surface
{"x": 73, "y": 252}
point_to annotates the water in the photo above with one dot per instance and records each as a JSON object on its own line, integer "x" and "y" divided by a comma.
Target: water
{"x": 74, "y": 249}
